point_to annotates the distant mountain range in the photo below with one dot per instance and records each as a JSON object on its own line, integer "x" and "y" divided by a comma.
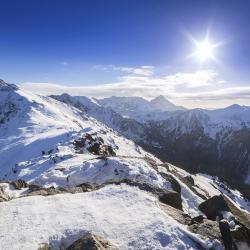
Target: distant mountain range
{"x": 139, "y": 108}
{"x": 198, "y": 140}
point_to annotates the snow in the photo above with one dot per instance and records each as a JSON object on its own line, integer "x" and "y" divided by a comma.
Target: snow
{"x": 37, "y": 145}
{"x": 213, "y": 186}
{"x": 114, "y": 212}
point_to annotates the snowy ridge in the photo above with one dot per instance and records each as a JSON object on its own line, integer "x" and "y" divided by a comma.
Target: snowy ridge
{"x": 59, "y": 146}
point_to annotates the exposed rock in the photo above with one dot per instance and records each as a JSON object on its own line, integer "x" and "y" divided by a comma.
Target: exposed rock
{"x": 33, "y": 187}
{"x": 174, "y": 183}
{"x": 177, "y": 214}
{"x": 91, "y": 242}
{"x": 171, "y": 198}
{"x": 198, "y": 219}
{"x": 242, "y": 217}
{"x": 207, "y": 228}
{"x": 94, "y": 145}
{"x": 87, "y": 187}
{"x": 241, "y": 234}
{"x": 3, "y": 196}
{"x": 188, "y": 180}
{"x": 19, "y": 184}
{"x": 45, "y": 191}
{"x": 213, "y": 207}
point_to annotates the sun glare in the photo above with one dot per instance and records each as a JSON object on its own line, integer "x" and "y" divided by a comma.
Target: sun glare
{"x": 204, "y": 50}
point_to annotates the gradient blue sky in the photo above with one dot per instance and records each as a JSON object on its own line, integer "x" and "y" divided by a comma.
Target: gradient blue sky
{"x": 80, "y": 42}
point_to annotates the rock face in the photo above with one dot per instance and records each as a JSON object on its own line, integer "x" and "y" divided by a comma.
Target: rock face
{"x": 217, "y": 204}
{"x": 171, "y": 198}
{"x": 206, "y": 228}
{"x": 91, "y": 242}
{"x": 213, "y": 207}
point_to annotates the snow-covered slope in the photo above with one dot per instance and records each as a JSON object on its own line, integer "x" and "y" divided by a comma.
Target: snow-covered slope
{"x": 76, "y": 175}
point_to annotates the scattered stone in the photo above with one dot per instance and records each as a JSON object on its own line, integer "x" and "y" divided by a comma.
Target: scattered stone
{"x": 91, "y": 242}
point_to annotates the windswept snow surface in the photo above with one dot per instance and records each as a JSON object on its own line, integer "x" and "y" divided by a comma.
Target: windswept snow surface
{"x": 126, "y": 216}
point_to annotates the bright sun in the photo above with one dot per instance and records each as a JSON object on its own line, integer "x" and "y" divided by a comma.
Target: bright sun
{"x": 204, "y": 50}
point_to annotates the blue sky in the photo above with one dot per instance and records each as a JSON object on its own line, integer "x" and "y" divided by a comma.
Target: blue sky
{"x": 92, "y": 43}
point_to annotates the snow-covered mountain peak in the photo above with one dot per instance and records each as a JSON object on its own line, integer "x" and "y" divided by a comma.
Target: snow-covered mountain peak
{"x": 4, "y": 86}
{"x": 161, "y": 103}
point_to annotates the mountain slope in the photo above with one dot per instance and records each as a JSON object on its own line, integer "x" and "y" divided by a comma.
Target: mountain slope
{"x": 208, "y": 141}
{"x": 79, "y": 176}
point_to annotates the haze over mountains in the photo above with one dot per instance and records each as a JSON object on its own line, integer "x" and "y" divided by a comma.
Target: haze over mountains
{"x": 75, "y": 165}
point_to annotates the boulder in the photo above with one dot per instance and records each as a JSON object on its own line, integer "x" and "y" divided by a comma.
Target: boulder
{"x": 91, "y": 242}
{"x": 171, "y": 198}
{"x": 213, "y": 206}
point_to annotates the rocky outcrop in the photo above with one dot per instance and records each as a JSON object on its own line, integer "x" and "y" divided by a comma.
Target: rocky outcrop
{"x": 171, "y": 198}
{"x": 19, "y": 184}
{"x": 217, "y": 204}
{"x": 94, "y": 145}
{"x": 91, "y": 241}
{"x": 206, "y": 228}
{"x": 214, "y": 206}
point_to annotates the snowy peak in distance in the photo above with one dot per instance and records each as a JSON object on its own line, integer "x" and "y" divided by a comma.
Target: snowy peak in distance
{"x": 161, "y": 103}
{"x": 4, "y": 86}
{"x": 139, "y": 108}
